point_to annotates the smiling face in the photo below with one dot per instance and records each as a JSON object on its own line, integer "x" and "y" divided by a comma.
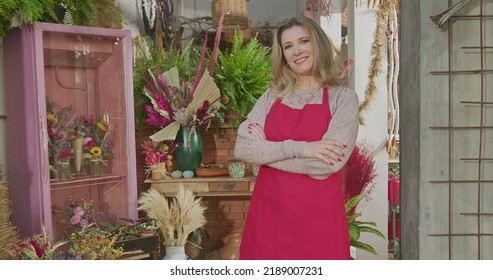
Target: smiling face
{"x": 297, "y": 48}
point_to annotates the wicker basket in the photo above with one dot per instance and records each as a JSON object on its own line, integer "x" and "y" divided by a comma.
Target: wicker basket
{"x": 236, "y": 16}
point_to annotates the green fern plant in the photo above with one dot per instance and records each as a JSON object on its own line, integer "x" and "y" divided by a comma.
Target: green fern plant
{"x": 243, "y": 74}
{"x": 98, "y": 13}
{"x": 356, "y": 227}
{"x": 16, "y": 13}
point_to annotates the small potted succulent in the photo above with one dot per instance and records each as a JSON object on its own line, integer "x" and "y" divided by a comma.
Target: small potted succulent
{"x": 147, "y": 227}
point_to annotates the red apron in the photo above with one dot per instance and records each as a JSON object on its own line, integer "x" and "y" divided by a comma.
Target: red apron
{"x": 293, "y": 216}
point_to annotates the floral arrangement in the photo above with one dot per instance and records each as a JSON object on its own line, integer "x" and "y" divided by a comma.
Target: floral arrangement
{"x": 176, "y": 219}
{"x": 59, "y": 148}
{"x": 91, "y": 139}
{"x": 36, "y": 247}
{"x": 80, "y": 211}
{"x": 99, "y": 141}
{"x": 92, "y": 243}
{"x": 178, "y": 102}
{"x": 158, "y": 152}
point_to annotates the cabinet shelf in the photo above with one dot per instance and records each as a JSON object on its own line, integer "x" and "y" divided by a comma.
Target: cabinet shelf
{"x": 87, "y": 73}
{"x": 77, "y": 183}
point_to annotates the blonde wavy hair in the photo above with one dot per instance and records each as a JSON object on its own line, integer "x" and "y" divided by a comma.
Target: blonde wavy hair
{"x": 325, "y": 70}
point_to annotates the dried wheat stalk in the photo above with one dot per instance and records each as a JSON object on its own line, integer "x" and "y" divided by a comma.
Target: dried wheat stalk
{"x": 176, "y": 219}
{"x": 8, "y": 232}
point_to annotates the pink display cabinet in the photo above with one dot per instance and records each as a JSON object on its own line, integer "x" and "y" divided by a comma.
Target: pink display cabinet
{"x": 89, "y": 70}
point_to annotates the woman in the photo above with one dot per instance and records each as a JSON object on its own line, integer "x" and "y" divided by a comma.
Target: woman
{"x": 301, "y": 131}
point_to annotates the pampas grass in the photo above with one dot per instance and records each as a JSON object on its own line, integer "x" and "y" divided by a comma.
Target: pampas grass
{"x": 177, "y": 218}
{"x": 8, "y": 232}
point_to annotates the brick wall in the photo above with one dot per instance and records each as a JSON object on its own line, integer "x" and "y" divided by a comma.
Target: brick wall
{"x": 224, "y": 214}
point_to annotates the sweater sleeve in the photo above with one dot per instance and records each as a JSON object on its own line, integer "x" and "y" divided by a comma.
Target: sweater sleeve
{"x": 343, "y": 128}
{"x": 257, "y": 151}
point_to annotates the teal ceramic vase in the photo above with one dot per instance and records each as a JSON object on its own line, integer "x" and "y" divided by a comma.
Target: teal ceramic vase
{"x": 188, "y": 155}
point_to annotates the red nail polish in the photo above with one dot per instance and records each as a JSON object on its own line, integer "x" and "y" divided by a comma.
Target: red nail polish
{"x": 339, "y": 159}
{"x": 345, "y": 146}
{"x": 331, "y": 163}
{"x": 343, "y": 155}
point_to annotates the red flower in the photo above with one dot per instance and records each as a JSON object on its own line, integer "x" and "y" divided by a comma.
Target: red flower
{"x": 359, "y": 172}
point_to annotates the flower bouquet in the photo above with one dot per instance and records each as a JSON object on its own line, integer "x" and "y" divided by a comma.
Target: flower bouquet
{"x": 99, "y": 144}
{"x": 158, "y": 155}
{"x": 176, "y": 102}
{"x": 59, "y": 150}
{"x": 36, "y": 247}
{"x": 92, "y": 139}
{"x": 80, "y": 129}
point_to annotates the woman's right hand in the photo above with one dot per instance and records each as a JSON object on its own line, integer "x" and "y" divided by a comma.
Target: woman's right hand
{"x": 326, "y": 150}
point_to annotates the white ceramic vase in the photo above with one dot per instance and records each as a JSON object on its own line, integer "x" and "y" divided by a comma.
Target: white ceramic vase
{"x": 175, "y": 253}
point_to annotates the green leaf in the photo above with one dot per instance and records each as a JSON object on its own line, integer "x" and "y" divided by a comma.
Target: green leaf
{"x": 353, "y": 202}
{"x": 363, "y": 246}
{"x": 354, "y": 232}
{"x": 371, "y": 230}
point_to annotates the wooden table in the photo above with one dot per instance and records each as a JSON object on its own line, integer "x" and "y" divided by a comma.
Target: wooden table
{"x": 213, "y": 186}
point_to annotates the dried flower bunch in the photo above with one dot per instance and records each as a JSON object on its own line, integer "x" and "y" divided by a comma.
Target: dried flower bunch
{"x": 360, "y": 172}
{"x": 99, "y": 142}
{"x": 92, "y": 243}
{"x": 59, "y": 148}
{"x": 158, "y": 152}
{"x": 36, "y": 247}
{"x": 176, "y": 218}
{"x": 178, "y": 102}
{"x": 96, "y": 134}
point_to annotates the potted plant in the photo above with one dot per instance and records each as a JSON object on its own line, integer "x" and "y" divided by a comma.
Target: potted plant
{"x": 148, "y": 227}
{"x": 242, "y": 75}
{"x": 176, "y": 218}
{"x": 356, "y": 227}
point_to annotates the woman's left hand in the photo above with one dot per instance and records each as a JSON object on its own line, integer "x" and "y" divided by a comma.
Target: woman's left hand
{"x": 256, "y": 130}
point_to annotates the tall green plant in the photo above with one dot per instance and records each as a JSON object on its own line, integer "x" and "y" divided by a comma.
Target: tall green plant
{"x": 357, "y": 227}
{"x": 242, "y": 75}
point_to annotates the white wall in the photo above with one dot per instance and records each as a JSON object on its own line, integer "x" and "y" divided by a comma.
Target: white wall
{"x": 361, "y": 26}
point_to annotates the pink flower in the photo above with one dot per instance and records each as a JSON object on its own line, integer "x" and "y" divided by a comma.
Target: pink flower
{"x": 78, "y": 211}
{"x": 84, "y": 222}
{"x": 88, "y": 142}
{"x": 75, "y": 219}
{"x": 154, "y": 118}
